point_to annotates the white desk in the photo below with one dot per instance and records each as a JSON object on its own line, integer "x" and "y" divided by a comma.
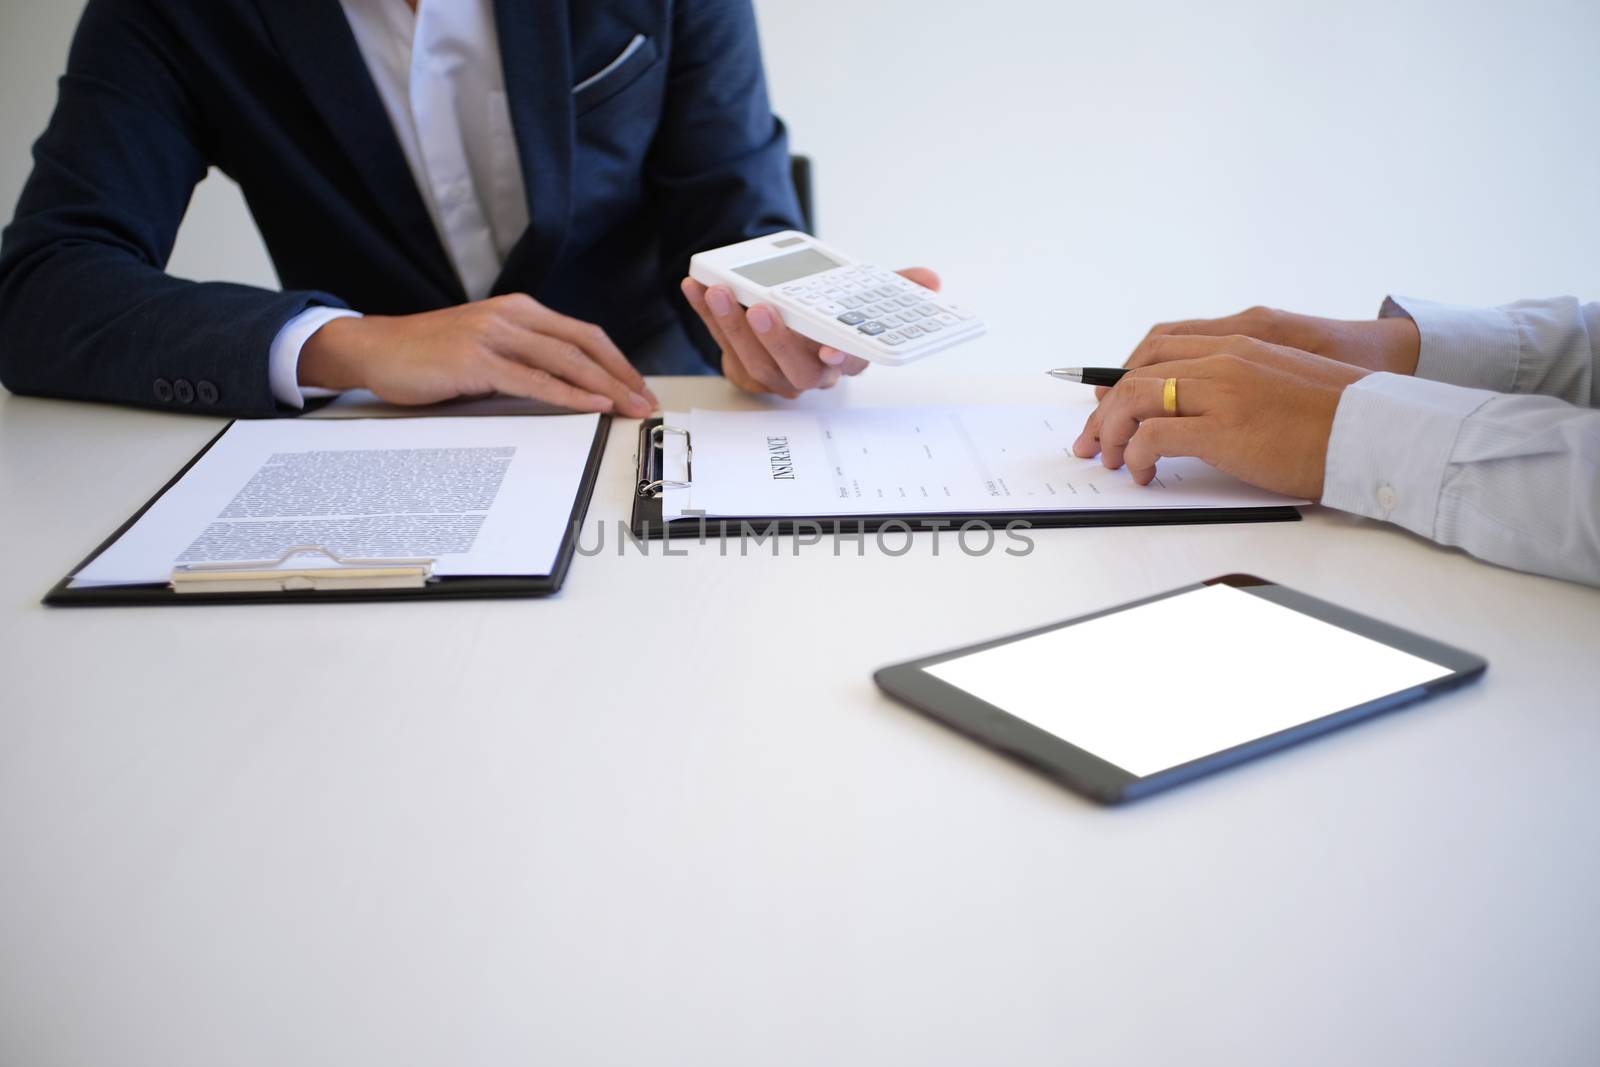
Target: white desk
{"x": 665, "y": 817}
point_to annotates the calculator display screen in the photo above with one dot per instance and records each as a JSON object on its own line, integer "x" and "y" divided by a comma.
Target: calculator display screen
{"x": 781, "y": 269}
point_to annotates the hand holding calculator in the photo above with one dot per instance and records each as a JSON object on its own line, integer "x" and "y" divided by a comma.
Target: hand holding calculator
{"x": 819, "y": 293}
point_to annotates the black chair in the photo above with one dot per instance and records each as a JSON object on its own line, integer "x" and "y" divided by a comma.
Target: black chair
{"x": 800, "y": 173}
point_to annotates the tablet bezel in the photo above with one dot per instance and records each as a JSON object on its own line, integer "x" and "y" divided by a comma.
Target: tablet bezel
{"x": 1100, "y": 780}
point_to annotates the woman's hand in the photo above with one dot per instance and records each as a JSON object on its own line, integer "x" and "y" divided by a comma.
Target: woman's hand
{"x": 1258, "y": 411}
{"x": 762, "y": 355}
{"x": 1376, "y": 345}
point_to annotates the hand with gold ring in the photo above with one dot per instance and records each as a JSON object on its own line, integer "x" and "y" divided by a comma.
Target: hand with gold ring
{"x": 1261, "y": 412}
{"x": 1387, "y": 344}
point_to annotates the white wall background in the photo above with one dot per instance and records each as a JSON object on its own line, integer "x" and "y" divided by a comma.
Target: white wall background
{"x": 1079, "y": 171}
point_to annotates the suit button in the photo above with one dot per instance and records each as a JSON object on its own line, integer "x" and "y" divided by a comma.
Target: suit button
{"x": 183, "y": 391}
{"x": 207, "y": 392}
{"x": 163, "y": 390}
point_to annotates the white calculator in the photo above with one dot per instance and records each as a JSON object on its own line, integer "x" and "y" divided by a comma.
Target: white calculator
{"x": 863, "y": 310}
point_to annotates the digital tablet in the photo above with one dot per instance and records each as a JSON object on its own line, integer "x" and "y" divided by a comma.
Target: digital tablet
{"x": 1125, "y": 702}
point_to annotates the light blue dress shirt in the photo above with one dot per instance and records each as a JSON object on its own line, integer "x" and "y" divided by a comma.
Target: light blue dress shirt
{"x": 1494, "y": 445}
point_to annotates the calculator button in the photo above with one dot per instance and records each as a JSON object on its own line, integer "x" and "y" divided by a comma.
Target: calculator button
{"x": 850, "y": 302}
{"x": 945, "y": 319}
{"x": 925, "y": 310}
{"x": 905, "y": 301}
{"x": 911, "y": 331}
{"x": 852, "y": 318}
{"x": 834, "y": 294}
{"x": 892, "y": 339}
{"x": 905, "y": 316}
{"x": 929, "y": 325}
{"x": 872, "y": 329}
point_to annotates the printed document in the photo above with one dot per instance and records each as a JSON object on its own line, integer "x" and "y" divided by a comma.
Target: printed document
{"x": 482, "y": 495}
{"x": 912, "y": 461}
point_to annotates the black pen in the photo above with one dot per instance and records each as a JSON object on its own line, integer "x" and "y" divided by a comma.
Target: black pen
{"x": 1107, "y": 376}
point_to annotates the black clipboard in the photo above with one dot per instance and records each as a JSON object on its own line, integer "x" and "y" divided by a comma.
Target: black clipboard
{"x": 646, "y": 522}
{"x": 449, "y": 587}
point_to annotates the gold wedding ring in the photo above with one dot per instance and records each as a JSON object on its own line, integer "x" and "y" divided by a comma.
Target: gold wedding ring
{"x": 1169, "y": 396}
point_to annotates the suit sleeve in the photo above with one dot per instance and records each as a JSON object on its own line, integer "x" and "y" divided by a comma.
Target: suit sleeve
{"x": 87, "y": 309}
{"x": 719, "y": 167}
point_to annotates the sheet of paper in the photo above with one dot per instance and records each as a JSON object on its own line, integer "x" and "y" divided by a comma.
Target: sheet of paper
{"x": 480, "y": 496}
{"x": 922, "y": 460}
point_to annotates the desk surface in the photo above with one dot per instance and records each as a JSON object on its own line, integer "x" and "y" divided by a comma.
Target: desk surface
{"x": 666, "y": 818}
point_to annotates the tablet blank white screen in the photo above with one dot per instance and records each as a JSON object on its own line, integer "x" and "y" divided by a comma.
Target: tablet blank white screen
{"x": 1184, "y": 677}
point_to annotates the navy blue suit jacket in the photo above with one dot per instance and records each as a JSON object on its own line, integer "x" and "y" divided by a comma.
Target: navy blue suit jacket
{"x": 674, "y": 151}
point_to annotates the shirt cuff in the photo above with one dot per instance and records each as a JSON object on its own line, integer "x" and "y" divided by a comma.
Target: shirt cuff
{"x": 283, "y": 358}
{"x": 1475, "y": 347}
{"x": 1390, "y": 446}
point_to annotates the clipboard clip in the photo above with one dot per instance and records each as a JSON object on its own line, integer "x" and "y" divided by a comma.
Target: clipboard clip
{"x": 652, "y": 440}
{"x": 271, "y": 576}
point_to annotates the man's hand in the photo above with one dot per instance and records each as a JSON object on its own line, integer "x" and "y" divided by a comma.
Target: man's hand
{"x": 1379, "y": 344}
{"x": 1261, "y": 412}
{"x": 512, "y": 345}
{"x": 762, "y": 355}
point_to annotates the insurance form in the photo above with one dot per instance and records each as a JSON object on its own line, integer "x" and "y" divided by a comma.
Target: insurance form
{"x": 910, "y": 461}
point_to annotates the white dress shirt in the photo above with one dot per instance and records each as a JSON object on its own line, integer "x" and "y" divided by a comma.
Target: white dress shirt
{"x": 438, "y": 72}
{"x": 1495, "y": 444}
